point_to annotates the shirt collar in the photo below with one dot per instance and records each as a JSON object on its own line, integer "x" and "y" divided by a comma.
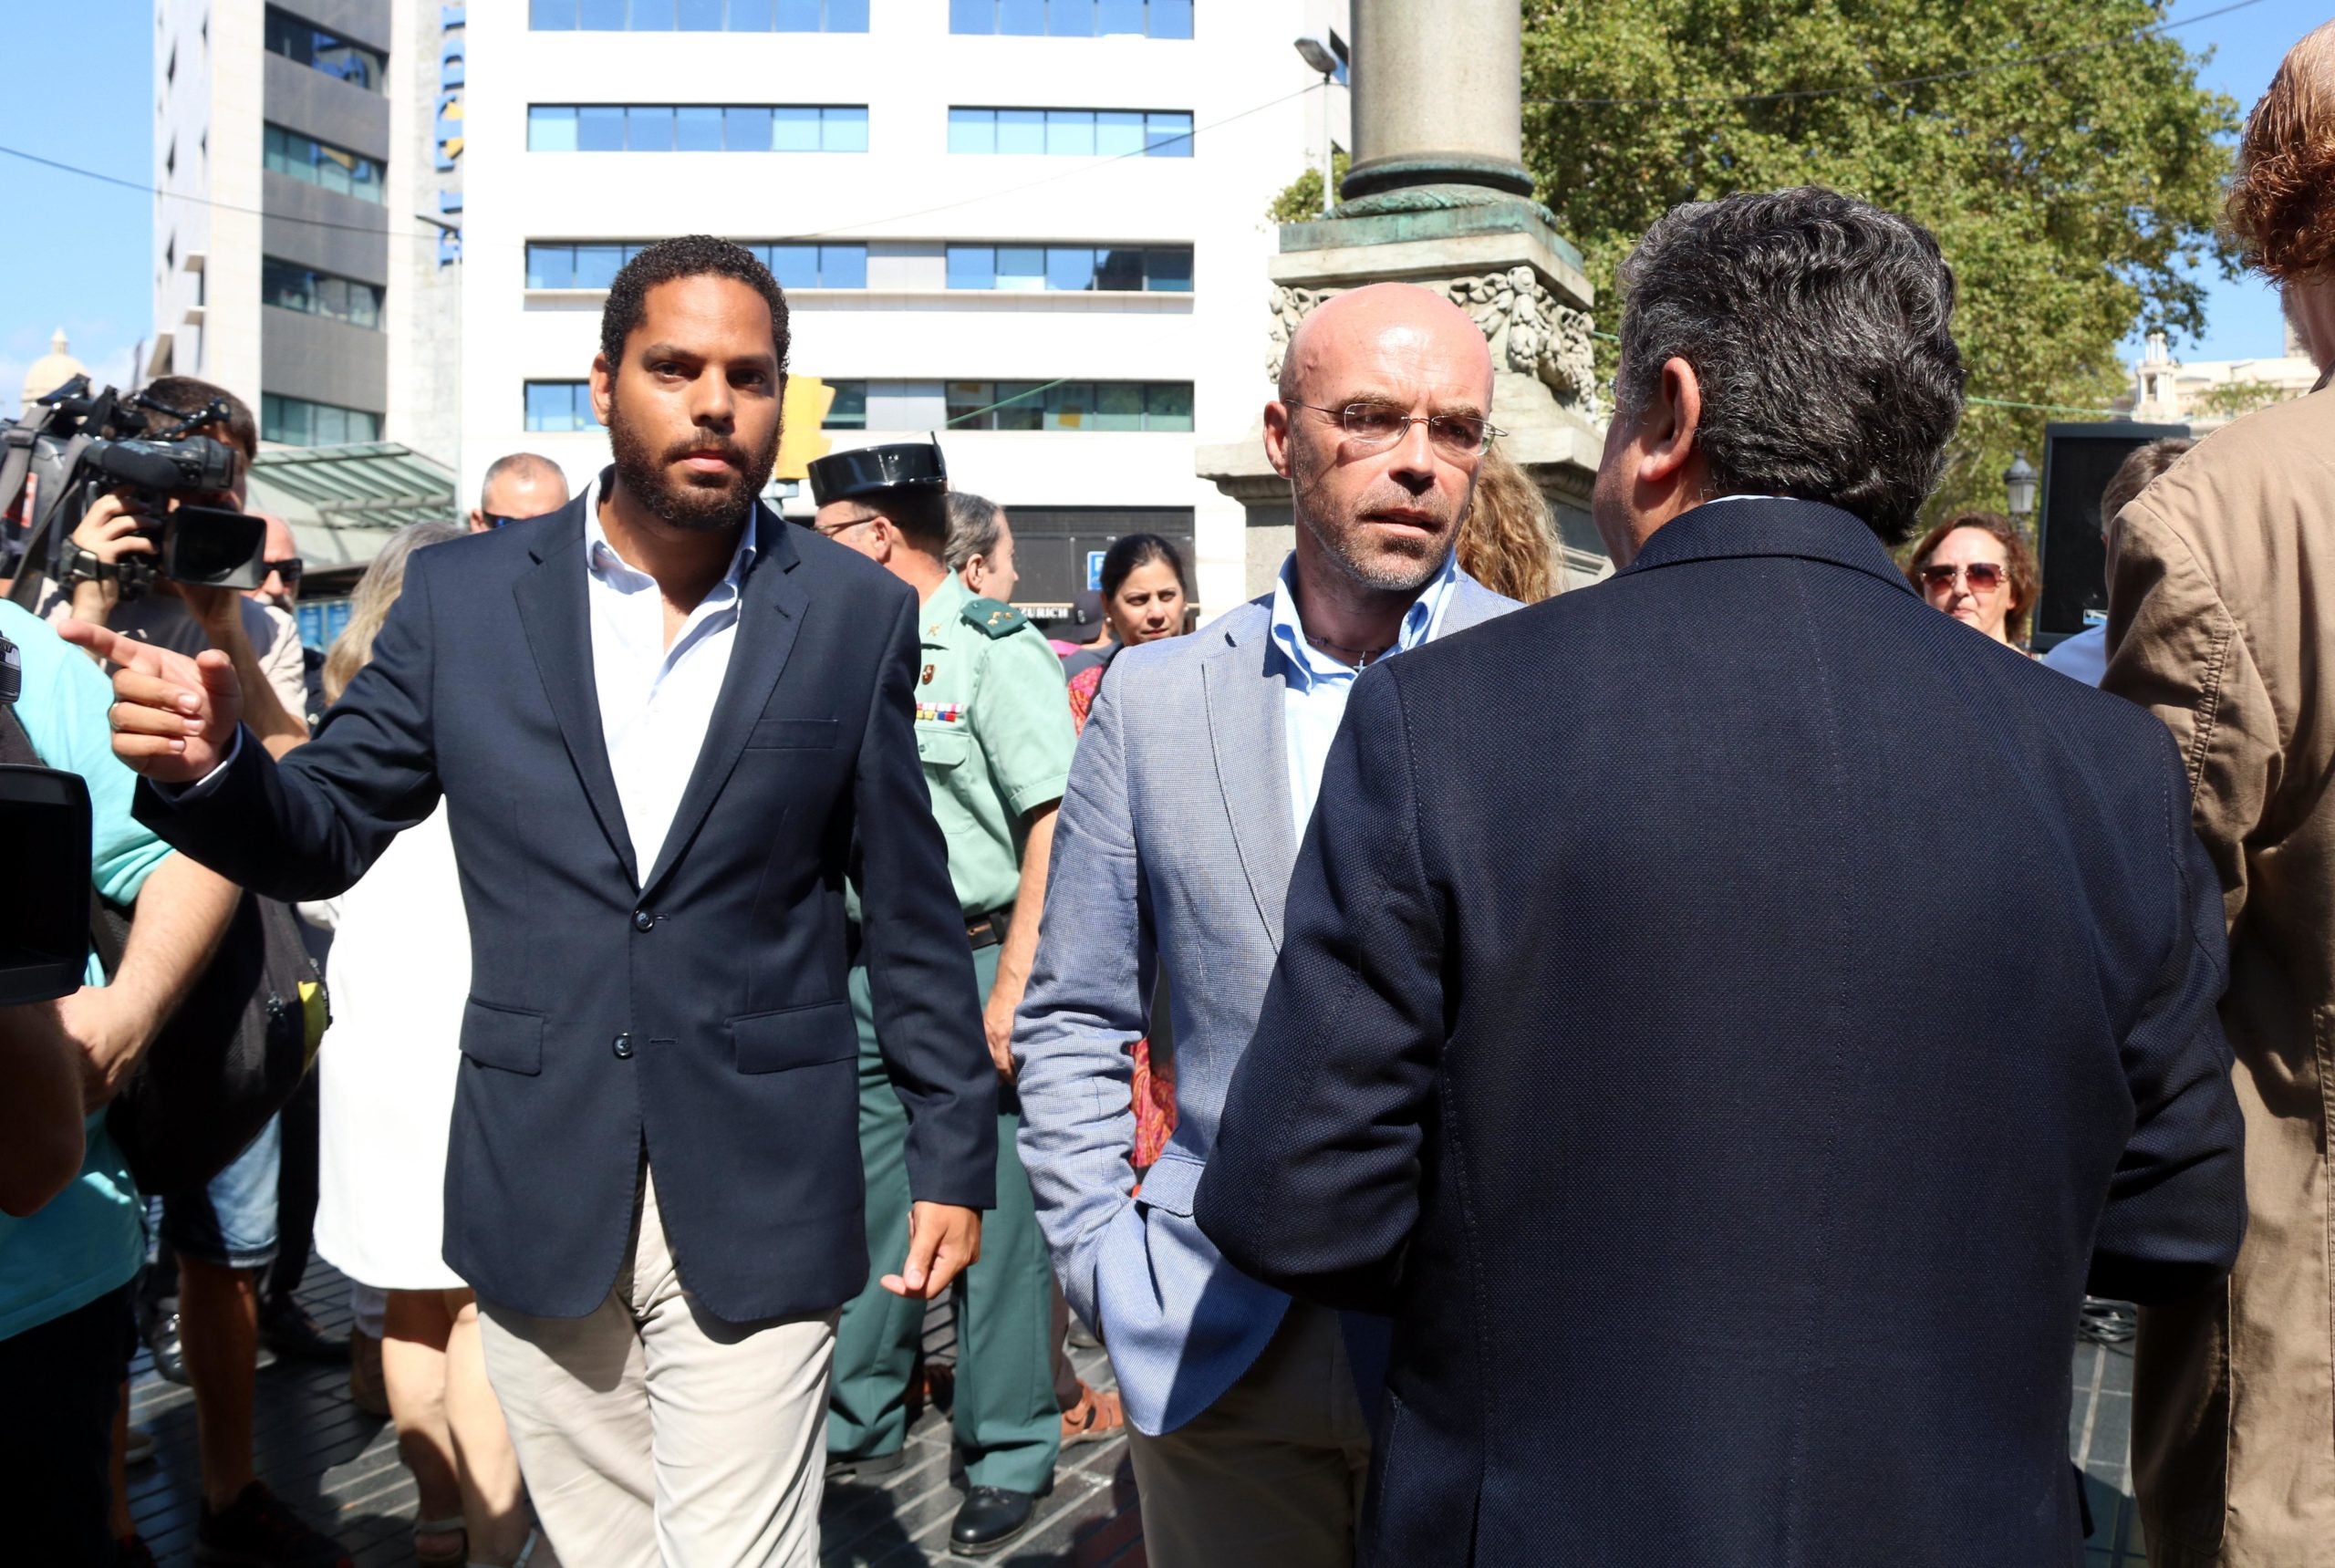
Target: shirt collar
{"x": 1308, "y": 663}
{"x": 1769, "y": 526}
{"x": 613, "y": 569}
{"x": 950, "y": 593}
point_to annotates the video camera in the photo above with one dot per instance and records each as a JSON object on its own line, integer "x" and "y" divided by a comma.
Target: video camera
{"x": 44, "y": 822}
{"x": 73, "y": 446}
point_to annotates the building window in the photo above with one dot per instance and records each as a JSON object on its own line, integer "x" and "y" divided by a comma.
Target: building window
{"x": 1070, "y": 406}
{"x": 1073, "y": 18}
{"x": 699, "y": 16}
{"x": 849, "y": 410}
{"x": 1128, "y": 269}
{"x": 593, "y": 263}
{"x": 1073, "y": 132}
{"x": 295, "y": 421}
{"x": 305, "y": 43}
{"x": 560, "y": 405}
{"x": 696, "y": 128}
{"x": 291, "y": 286}
{"x": 334, "y": 168}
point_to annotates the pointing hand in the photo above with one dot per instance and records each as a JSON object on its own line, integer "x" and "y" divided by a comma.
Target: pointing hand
{"x": 173, "y": 716}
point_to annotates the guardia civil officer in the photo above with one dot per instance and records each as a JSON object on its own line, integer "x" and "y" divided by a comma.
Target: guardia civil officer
{"x": 993, "y": 731}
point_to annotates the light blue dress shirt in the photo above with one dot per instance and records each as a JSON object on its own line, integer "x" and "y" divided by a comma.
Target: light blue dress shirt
{"x": 1314, "y": 697}
{"x": 2083, "y": 656}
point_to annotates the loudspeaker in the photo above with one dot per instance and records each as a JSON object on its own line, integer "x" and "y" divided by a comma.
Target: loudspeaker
{"x": 2078, "y": 459}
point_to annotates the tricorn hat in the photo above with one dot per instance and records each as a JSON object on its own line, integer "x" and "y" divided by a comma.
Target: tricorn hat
{"x": 872, "y": 470}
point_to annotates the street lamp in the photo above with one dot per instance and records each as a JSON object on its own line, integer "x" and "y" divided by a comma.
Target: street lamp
{"x": 1315, "y": 50}
{"x": 2018, "y": 486}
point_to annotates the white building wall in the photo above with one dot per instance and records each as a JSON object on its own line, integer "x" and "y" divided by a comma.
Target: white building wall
{"x": 208, "y": 58}
{"x": 422, "y": 311}
{"x": 909, "y": 69}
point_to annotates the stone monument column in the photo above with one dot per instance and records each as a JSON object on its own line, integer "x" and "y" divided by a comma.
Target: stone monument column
{"x": 1438, "y": 96}
{"x": 1438, "y": 195}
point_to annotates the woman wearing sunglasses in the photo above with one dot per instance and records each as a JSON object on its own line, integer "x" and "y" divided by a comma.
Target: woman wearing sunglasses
{"x": 1977, "y": 568}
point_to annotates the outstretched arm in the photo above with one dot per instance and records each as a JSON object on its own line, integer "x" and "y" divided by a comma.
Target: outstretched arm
{"x": 182, "y": 910}
{"x": 310, "y": 827}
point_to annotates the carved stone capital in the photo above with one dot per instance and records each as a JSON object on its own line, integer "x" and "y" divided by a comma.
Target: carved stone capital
{"x": 1529, "y": 329}
{"x": 1533, "y": 332}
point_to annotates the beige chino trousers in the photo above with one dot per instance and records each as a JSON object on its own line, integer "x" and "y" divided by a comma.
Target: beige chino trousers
{"x": 654, "y": 1435}
{"x": 1272, "y": 1474}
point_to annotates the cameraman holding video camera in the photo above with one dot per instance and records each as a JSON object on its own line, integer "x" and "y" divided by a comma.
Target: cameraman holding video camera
{"x": 66, "y": 1265}
{"x": 186, "y": 618}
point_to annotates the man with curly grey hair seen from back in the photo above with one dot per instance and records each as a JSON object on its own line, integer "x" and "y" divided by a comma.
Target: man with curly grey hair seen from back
{"x": 1593, "y": 1055}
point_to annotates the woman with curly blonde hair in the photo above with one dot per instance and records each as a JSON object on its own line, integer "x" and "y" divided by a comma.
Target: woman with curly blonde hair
{"x": 2221, "y": 620}
{"x": 1508, "y": 541}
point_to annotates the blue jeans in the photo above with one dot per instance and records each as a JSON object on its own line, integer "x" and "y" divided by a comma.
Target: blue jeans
{"x": 231, "y": 1222}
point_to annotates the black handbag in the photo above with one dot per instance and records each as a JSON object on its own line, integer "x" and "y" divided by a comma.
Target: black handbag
{"x": 232, "y": 1054}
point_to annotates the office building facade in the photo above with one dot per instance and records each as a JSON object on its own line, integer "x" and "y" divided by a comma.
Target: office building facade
{"x": 307, "y": 236}
{"x": 1036, "y": 227}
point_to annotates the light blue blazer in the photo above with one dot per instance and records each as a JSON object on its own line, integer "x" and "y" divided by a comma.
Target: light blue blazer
{"x": 1172, "y": 853}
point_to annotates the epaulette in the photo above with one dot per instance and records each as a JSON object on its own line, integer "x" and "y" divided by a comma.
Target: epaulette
{"x": 994, "y": 616}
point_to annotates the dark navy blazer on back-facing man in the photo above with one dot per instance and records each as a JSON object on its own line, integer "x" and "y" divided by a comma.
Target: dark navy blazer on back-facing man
{"x": 665, "y": 726}
{"x": 1727, "y": 1015}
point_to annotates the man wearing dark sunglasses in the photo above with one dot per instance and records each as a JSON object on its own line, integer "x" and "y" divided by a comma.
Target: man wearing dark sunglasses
{"x": 518, "y": 487}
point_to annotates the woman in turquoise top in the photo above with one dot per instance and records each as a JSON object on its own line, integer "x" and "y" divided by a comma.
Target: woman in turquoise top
{"x": 64, "y": 1270}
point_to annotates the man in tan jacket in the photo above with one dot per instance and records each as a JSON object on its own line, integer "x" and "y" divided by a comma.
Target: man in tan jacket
{"x": 2222, "y": 620}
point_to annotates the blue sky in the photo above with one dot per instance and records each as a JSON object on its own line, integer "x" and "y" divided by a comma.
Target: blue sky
{"x": 75, "y": 254}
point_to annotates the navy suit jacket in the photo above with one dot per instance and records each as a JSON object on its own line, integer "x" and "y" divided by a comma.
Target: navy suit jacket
{"x": 696, "y": 1006}
{"x": 1726, "y": 1014}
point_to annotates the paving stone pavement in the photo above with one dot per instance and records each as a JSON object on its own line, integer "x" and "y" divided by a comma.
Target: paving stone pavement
{"x": 339, "y": 1467}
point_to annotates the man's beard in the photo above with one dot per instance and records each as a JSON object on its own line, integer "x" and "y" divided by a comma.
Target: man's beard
{"x": 1400, "y": 566}
{"x": 700, "y": 508}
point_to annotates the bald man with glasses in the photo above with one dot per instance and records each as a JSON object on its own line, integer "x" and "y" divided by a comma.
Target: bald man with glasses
{"x": 1252, "y": 1414}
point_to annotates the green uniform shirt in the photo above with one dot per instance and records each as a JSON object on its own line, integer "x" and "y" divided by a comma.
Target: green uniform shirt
{"x": 994, "y": 733}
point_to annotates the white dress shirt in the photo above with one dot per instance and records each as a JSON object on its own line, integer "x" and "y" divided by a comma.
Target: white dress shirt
{"x": 655, "y": 701}
{"x": 1316, "y": 686}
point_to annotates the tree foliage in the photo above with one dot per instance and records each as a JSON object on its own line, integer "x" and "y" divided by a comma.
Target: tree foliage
{"x": 1299, "y": 200}
{"x": 2233, "y": 399}
{"x": 2072, "y": 193}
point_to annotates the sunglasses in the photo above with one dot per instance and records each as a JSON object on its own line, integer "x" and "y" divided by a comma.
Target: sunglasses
{"x": 1984, "y": 576}
{"x": 288, "y": 569}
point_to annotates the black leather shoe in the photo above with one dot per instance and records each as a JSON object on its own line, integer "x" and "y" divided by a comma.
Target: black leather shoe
{"x": 290, "y": 1332}
{"x": 991, "y": 1519}
{"x": 158, "y": 1326}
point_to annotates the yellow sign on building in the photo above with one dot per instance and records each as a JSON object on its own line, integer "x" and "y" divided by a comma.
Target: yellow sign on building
{"x": 803, "y": 410}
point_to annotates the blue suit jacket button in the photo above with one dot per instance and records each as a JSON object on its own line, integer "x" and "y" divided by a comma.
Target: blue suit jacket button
{"x": 642, "y": 920}
{"x": 622, "y": 1046}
